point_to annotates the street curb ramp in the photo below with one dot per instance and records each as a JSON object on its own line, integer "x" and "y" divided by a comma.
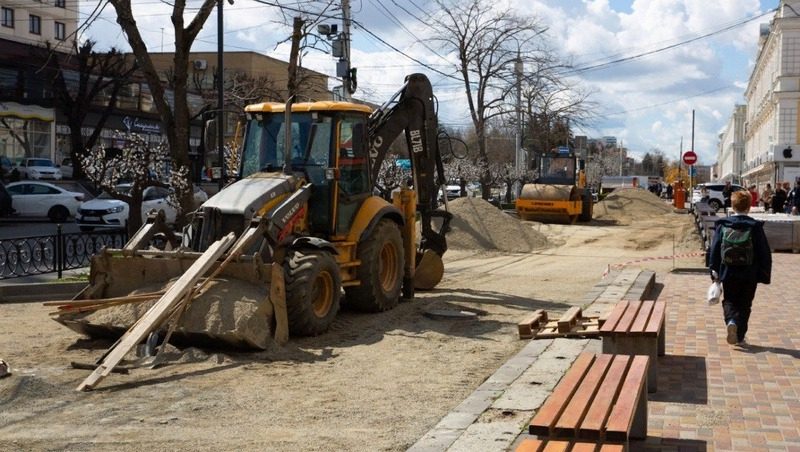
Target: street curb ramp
{"x": 37, "y": 292}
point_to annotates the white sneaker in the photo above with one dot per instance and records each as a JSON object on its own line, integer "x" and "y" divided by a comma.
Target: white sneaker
{"x": 742, "y": 343}
{"x": 732, "y": 330}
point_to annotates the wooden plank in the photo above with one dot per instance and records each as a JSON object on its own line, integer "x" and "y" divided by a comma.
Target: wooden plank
{"x": 277, "y": 295}
{"x": 556, "y": 446}
{"x": 530, "y": 445}
{"x": 614, "y": 317}
{"x": 586, "y": 327}
{"x": 526, "y": 327}
{"x": 640, "y": 322}
{"x": 584, "y": 447}
{"x": 158, "y": 312}
{"x": 571, "y": 418}
{"x": 619, "y": 422}
{"x": 625, "y": 322}
{"x": 595, "y": 418}
{"x": 657, "y": 318}
{"x": 548, "y": 414}
{"x": 612, "y": 448}
{"x": 569, "y": 319}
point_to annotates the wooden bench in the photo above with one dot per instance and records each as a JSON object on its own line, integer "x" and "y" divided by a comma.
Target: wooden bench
{"x": 636, "y": 328}
{"x": 543, "y": 445}
{"x": 600, "y": 398}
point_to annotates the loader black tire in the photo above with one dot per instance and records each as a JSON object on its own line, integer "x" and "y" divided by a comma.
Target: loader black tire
{"x": 587, "y": 208}
{"x": 313, "y": 291}
{"x": 381, "y": 270}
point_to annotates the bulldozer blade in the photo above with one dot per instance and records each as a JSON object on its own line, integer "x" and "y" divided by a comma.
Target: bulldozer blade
{"x": 429, "y": 271}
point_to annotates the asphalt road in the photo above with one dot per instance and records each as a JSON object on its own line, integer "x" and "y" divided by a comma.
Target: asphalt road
{"x": 32, "y": 227}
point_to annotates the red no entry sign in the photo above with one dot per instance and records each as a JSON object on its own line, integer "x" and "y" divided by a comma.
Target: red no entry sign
{"x": 689, "y": 158}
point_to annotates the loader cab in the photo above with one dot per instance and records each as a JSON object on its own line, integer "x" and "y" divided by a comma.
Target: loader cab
{"x": 329, "y": 148}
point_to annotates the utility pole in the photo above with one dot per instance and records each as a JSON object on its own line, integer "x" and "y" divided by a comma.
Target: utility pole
{"x": 692, "y": 149}
{"x": 220, "y": 95}
{"x": 343, "y": 68}
{"x": 518, "y": 136}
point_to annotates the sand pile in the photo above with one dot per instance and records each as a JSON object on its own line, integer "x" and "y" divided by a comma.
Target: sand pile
{"x": 233, "y": 312}
{"x": 480, "y": 226}
{"x": 629, "y": 204}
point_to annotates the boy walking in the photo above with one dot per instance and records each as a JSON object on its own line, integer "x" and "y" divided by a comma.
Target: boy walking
{"x": 740, "y": 256}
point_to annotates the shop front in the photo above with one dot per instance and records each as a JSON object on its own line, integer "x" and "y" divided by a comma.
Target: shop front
{"x": 26, "y": 131}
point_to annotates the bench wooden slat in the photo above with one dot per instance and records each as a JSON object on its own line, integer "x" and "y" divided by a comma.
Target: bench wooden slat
{"x": 657, "y": 318}
{"x": 570, "y": 420}
{"x": 613, "y": 318}
{"x": 612, "y": 448}
{"x": 548, "y": 414}
{"x": 556, "y": 446}
{"x": 530, "y": 445}
{"x": 639, "y": 323}
{"x": 569, "y": 319}
{"x": 601, "y": 406}
{"x": 619, "y": 424}
{"x": 624, "y": 324}
{"x": 584, "y": 447}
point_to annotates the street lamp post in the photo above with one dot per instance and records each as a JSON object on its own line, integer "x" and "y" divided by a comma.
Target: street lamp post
{"x": 220, "y": 95}
{"x": 518, "y": 138}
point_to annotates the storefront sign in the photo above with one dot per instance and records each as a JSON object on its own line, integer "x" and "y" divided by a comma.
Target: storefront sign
{"x": 26, "y": 111}
{"x": 135, "y": 125}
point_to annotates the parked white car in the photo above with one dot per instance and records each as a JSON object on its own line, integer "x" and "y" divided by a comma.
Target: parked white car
{"x": 105, "y": 211}
{"x": 66, "y": 168}
{"x": 43, "y": 199}
{"x": 38, "y": 168}
{"x": 714, "y": 189}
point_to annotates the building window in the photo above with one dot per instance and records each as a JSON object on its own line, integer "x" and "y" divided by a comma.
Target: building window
{"x": 8, "y": 17}
{"x": 36, "y": 25}
{"x": 60, "y": 3}
{"x": 61, "y": 31}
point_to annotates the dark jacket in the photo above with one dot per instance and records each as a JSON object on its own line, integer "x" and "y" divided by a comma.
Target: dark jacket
{"x": 761, "y": 270}
{"x": 778, "y": 200}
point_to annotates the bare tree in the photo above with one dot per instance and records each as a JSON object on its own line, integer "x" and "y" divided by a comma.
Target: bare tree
{"x": 84, "y": 82}
{"x": 487, "y": 41}
{"x": 176, "y": 117}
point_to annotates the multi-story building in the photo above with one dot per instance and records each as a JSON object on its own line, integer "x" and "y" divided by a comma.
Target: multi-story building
{"x": 772, "y": 135}
{"x": 27, "y": 114}
{"x": 730, "y": 154}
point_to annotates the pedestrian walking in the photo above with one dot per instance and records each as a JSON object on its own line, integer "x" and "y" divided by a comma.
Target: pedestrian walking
{"x": 793, "y": 201}
{"x": 740, "y": 258}
{"x": 778, "y": 198}
{"x": 726, "y": 195}
{"x": 766, "y": 197}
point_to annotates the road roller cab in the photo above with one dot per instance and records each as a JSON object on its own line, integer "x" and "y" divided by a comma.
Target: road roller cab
{"x": 559, "y": 193}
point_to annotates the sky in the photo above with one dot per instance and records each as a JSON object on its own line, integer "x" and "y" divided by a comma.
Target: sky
{"x": 680, "y": 57}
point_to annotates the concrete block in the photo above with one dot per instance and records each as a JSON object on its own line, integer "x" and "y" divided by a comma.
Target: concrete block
{"x": 435, "y": 441}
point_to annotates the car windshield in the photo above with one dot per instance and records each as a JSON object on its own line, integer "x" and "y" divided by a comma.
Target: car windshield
{"x": 40, "y": 162}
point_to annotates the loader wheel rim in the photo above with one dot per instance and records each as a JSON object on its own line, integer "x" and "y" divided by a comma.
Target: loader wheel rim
{"x": 323, "y": 294}
{"x": 388, "y": 267}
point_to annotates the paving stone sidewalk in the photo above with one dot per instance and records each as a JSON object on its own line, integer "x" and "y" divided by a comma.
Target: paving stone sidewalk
{"x": 711, "y": 396}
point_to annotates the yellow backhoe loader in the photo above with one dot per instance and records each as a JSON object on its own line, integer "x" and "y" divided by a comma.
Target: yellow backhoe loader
{"x": 307, "y": 226}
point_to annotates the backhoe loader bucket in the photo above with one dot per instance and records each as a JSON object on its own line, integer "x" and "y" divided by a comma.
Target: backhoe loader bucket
{"x": 233, "y": 310}
{"x": 549, "y": 203}
{"x": 429, "y": 271}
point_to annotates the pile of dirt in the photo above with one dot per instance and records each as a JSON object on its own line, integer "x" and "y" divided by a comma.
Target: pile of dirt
{"x": 478, "y": 225}
{"x": 233, "y": 312}
{"x": 630, "y": 204}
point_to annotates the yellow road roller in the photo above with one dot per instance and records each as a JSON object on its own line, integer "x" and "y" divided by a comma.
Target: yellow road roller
{"x": 559, "y": 193}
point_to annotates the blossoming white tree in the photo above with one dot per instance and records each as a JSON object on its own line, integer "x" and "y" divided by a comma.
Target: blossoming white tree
{"x": 141, "y": 164}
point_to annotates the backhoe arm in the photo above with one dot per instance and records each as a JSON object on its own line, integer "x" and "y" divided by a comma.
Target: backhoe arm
{"x": 412, "y": 110}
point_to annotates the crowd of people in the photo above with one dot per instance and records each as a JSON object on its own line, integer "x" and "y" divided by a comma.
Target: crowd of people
{"x": 783, "y": 199}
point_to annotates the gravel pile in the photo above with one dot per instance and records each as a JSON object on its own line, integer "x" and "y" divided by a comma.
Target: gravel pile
{"x": 480, "y": 226}
{"x": 629, "y": 204}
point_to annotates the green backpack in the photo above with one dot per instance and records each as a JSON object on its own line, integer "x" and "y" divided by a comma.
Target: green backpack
{"x": 737, "y": 246}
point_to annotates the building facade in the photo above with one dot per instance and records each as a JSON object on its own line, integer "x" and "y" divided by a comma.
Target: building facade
{"x": 772, "y": 132}
{"x": 730, "y": 153}
{"x": 28, "y": 118}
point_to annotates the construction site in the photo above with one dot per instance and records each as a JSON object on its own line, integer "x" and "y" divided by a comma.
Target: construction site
{"x": 373, "y": 381}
